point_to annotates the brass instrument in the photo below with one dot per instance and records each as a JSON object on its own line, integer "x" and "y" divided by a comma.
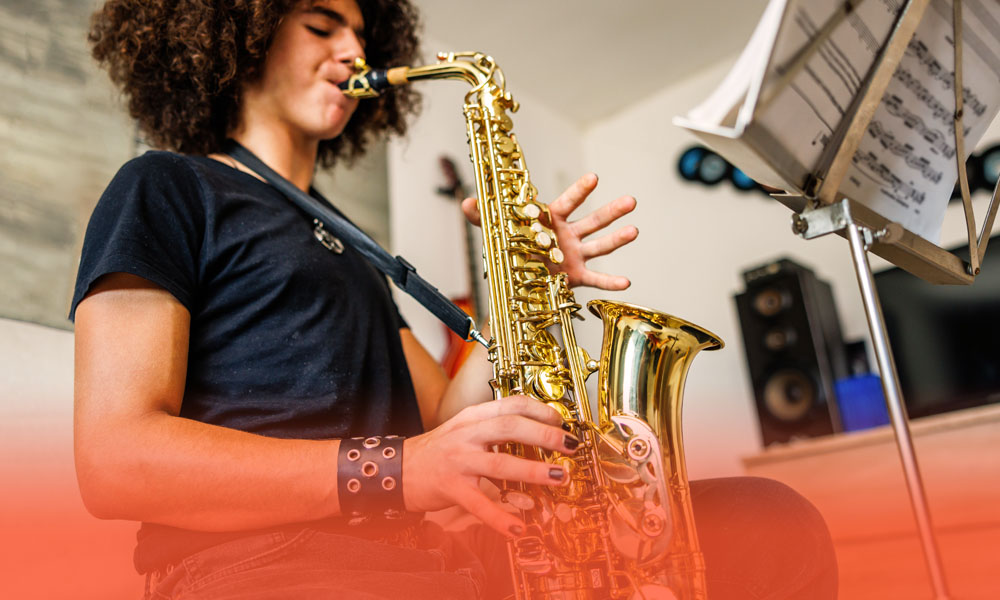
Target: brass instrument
{"x": 622, "y": 526}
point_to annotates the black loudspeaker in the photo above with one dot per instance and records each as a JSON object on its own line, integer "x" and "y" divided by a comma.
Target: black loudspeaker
{"x": 794, "y": 349}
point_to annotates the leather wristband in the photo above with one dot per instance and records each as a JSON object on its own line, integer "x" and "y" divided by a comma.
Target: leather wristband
{"x": 370, "y": 478}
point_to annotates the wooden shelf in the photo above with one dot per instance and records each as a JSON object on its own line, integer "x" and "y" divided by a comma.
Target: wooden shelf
{"x": 856, "y": 481}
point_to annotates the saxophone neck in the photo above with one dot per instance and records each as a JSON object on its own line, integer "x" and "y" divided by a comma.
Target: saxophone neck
{"x": 475, "y": 68}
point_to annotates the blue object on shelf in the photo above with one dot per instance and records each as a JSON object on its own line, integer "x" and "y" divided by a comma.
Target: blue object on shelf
{"x": 861, "y": 402}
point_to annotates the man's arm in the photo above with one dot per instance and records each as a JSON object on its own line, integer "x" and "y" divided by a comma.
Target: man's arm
{"x": 137, "y": 459}
{"x": 438, "y": 397}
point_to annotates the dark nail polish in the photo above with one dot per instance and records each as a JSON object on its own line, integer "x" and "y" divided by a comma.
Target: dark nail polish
{"x": 516, "y": 530}
{"x": 571, "y": 442}
{"x": 556, "y": 473}
{"x": 566, "y": 426}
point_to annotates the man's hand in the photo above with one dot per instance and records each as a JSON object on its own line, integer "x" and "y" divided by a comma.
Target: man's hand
{"x": 443, "y": 467}
{"x": 570, "y": 235}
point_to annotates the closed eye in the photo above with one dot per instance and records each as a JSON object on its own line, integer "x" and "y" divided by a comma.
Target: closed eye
{"x": 319, "y": 32}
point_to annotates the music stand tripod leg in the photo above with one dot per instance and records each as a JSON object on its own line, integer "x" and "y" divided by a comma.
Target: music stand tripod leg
{"x": 860, "y": 239}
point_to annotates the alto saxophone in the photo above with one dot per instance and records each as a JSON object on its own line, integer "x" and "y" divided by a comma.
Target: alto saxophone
{"x": 622, "y": 525}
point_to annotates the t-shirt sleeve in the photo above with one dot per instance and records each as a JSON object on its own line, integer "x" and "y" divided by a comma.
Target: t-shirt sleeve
{"x": 149, "y": 222}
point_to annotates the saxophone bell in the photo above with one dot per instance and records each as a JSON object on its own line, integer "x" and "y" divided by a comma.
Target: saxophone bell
{"x": 644, "y": 364}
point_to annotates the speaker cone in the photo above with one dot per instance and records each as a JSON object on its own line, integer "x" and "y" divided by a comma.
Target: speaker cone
{"x": 779, "y": 338}
{"x": 771, "y": 301}
{"x": 789, "y": 395}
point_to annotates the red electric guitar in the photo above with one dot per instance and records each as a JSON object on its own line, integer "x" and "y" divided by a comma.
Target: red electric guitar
{"x": 458, "y": 349}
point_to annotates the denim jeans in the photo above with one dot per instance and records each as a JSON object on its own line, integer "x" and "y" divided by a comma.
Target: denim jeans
{"x": 761, "y": 540}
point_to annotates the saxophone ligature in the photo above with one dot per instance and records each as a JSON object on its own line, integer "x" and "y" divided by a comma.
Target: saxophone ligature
{"x": 622, "y": 526}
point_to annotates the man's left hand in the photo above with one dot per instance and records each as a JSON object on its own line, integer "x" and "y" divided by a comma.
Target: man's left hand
{"x": 570, "y": 235}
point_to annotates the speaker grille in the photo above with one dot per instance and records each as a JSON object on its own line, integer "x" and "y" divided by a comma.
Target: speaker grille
{"x": 794, "y": 350}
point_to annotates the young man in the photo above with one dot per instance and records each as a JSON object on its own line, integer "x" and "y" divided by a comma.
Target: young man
{"x": 223, "y": 357}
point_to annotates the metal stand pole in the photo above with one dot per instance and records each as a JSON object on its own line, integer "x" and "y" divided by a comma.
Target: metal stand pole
{"x": 860, "y": 239}
{"x": 815, "y": 222}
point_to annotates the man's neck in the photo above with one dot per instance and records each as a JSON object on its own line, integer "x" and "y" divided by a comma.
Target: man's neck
{"x": 294, "y": 159}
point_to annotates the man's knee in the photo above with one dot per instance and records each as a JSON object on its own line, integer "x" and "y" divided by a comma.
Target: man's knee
{"x": 765, "y": 534}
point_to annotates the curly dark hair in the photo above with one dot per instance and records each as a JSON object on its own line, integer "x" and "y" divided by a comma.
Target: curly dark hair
{"x": 182, "y": 65}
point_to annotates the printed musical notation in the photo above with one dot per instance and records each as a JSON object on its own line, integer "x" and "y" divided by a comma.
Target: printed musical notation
{"x": 938, "y": 142}
{"x": 945, "y": 114}
{"x": 946, "y": 78}
{"x": 902, "y": 192}
{"x": 822, "y": 92}
{"x": 912, "y": 134}
{"x": 888, "y": 140}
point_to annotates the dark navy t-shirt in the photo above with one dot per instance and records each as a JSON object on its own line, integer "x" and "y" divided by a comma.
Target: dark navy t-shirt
{"x": 288, "y": 339}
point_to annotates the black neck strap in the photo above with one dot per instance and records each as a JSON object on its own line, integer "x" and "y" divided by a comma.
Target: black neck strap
{"x": 402, "y": 273}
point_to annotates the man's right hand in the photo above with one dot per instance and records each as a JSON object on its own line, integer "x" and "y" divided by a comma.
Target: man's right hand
{"x": 443, "y": 467}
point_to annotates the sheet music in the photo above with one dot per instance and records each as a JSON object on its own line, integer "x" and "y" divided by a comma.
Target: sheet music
{"x": 804, "y": 114}
{"x": 905, "y": 165}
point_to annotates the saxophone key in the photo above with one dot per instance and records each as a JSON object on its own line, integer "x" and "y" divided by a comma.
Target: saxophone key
{"x": 548, "y": 383}
{"x": 527, "y": 193}
{"x": 532, "y": 267}
{"x": 518, "y": 500}
{"x": 531, "y": 301}
{"x": 527, "y": 212}
{"x": 539, "y": 237}
{"x": 529, "y": 553}
{"x": 563, "y": 512}
{"x": 530, "y": 285}
{"x": 504, "y": 121}
{"x": 505, "y": 144}
{"x": 544, "y": 239}
{"x": 536, "y": 323}
{"x": 588, "y": 363}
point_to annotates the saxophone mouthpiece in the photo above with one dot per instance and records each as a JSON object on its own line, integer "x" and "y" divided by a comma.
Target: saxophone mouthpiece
{"x": 370, "y": 83}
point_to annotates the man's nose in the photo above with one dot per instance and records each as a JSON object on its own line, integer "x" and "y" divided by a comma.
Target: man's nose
{"x": 349, "y": 47}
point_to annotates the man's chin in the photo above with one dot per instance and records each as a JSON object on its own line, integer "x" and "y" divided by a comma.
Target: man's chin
{"x": 333, "y": 131}
{"x": 329, "y": 133}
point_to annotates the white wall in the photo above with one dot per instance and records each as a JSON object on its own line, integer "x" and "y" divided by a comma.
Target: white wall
{"x": 426, "y": 226}
{"x": 694, "y": 242}
{"x": 46, "y": 527}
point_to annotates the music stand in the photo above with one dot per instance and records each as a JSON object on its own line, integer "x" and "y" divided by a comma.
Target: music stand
{"x": 820, "y": 208}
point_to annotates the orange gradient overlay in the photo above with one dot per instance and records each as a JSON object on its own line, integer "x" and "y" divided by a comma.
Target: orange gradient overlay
{"x": 52, "y": 548}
